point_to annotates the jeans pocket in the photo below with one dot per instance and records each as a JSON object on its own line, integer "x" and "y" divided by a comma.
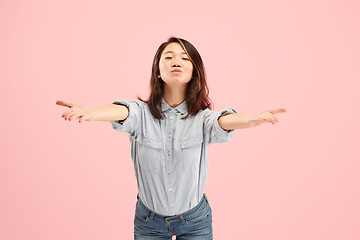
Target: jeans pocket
{"x": 200, "y": 215}
{"x": 142, "y": 214}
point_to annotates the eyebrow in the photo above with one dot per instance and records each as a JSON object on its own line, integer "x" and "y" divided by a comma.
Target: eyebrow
{"x": 173, "y": 52}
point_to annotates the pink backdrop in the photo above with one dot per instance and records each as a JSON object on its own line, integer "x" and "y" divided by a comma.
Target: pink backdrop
{"x": 298, "y": 179}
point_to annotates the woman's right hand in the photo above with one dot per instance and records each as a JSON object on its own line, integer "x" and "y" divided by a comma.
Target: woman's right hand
{"x": 75, "y": 111}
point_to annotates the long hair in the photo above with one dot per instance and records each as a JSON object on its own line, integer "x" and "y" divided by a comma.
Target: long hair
{"x": 197, "y": 92}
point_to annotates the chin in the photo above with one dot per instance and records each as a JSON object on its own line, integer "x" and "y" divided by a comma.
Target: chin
{"x": 177, "y": 81}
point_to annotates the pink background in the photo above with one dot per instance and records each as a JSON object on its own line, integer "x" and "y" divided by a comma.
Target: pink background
{"x": 298, "y": 179}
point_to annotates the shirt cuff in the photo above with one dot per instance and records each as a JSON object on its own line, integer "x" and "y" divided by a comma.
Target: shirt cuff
{"x": 223, "y": 113}
{"x": 126, "y": 125}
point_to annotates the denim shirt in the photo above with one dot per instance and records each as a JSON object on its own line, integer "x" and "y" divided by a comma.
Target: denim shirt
{"x": 170, "y": 155}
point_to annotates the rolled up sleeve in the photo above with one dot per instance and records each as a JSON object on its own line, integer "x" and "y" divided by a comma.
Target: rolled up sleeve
{"x": 212, "y": 130}
{"x": 131, "y": 123}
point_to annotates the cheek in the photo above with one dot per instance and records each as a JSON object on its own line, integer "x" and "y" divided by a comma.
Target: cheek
{"x": 162, "y": 68}
{"x": 191, "y": 69}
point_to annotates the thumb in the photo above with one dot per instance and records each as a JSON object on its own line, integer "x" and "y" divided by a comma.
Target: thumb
{"x": 63, "y": 103}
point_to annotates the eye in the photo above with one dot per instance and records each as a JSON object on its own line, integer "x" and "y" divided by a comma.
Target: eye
{"x": 186, "y": 58}
{"x": 167, "y": 57}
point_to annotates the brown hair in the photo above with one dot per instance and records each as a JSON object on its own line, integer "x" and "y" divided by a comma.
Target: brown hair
{"x": 197, "y": 91}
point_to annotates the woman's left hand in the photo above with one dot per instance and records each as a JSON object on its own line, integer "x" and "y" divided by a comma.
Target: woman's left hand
{"x": 266, "y": 116}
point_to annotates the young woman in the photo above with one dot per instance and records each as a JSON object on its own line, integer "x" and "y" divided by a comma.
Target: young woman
{"x": 169, "y": 135}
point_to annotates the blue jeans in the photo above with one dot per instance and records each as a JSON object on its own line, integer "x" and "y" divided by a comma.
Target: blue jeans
{"x": 194, "y": 224}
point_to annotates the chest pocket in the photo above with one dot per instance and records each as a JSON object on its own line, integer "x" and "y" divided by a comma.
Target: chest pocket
{"x": 191, "y": 152}
{"x": 150, "y": 154}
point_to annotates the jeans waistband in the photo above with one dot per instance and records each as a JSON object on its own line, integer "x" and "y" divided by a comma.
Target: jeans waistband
{"x": 152, "y": 213}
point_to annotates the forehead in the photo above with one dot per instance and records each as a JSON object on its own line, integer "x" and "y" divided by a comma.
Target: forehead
{"x": 174, "y": 47}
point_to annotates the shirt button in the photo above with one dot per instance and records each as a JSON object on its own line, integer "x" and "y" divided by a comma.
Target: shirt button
{"x": 169, "y": 153}
{"x": 171, "y": 205}
{"x": 169, "y": 172}
{"x": 170, "y": 189}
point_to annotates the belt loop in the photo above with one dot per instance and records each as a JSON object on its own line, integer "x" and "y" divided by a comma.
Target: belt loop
{"x": 152, "y": 214}
{"x": 182, "y": 218}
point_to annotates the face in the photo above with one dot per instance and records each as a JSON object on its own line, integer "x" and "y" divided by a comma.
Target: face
{"x": 173, "y": 58}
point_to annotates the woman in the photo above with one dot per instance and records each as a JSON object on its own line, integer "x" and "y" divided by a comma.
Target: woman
{"x": 169, "y": 134}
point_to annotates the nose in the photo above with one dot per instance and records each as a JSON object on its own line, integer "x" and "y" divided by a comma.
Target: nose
{"x": 175, "y": 62}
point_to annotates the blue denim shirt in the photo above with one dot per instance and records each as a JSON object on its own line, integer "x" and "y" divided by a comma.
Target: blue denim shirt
{"x": 170, "y": 155}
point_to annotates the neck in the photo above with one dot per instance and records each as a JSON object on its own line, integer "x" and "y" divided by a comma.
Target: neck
{"x": 174, "y": 96}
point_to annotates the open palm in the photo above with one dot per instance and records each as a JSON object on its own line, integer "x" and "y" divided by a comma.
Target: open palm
{"x": 75, "y": 111}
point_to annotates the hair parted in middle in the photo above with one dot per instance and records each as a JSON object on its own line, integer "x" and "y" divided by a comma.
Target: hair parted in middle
{"x": 197, "y": 92}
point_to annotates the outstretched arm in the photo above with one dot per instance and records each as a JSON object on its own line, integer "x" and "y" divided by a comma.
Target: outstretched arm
{"x": 108, "y": 112}
{"x": 236, "y": 121}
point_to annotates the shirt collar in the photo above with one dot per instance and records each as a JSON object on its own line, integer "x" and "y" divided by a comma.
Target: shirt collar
{"x": 182, "y": 108}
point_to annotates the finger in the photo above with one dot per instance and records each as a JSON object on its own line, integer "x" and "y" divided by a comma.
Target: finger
{"x": 265, "y": 120}
{"x": 271, "y": 120}
{"x": 67, "y": 116}
{"x": 279, "y": 110}
{"x": 82, "y": 119}
{"x": 63, "y": 103}
{"x": 73, "y": 116}
{"x": 64, "y": 115}
{"x": 67, "y": 113}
